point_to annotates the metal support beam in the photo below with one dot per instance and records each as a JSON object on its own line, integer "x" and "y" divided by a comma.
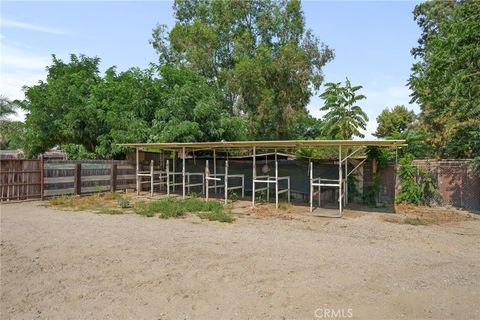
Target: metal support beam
{"x": 254, "y": 176}
{"x": 167, "y": 172}
{"x": 151, "y": 177}
{"x": 207, "y": 175}
{"x": 137, "y": 168}
{"x": 340, "y": 179}
{"x": 215, "y": 169}
{"x": 276, "y": 179}
{"x": 351, "y": 154}
{"x": 183, "y": 173}
{"x": 174, "y": 169}
{"x": 345, "y": 183}
{"x": 356, "y": 167}
{"x": 226, "y": 181}
{"x": 311, "y": 186}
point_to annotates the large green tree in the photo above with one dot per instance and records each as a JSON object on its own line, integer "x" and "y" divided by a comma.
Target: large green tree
{"x": 344, "y": 118}
{"x": 192, "y": 110}
{"x": 58, "y": 109}
{"x": 446, "y": 79}
{"x": 89, "y": 114}
{"x": 393, "y": 123}
{"x": 258, "y": 53}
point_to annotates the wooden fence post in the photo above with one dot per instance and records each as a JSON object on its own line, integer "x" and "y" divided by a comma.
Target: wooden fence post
{"x": 113, "y": 178}
{"x": 42, "y": 184}
{"x": 77, "y": 181}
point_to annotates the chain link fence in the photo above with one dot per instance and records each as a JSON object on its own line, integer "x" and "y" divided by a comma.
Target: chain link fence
{"x": 457, "y": 182}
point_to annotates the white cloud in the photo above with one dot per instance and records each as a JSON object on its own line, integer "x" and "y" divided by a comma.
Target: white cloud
{"x": 379, "y": 99}
{"x": 7, "y": 23}
{"x": 13, "y": 58}
{"x": 20, "y": 67}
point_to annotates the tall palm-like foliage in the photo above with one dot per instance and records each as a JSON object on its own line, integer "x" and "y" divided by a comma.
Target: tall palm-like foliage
{"x": 344, "y": 118}
{"x": 7, "y": 108}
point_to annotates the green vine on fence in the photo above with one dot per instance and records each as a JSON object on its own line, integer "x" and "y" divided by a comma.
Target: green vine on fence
{"x": 417, "y": 185}
{"x": 381, "y": 157}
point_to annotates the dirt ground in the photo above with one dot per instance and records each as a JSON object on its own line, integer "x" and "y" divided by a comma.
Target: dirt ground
{"x": 79, "y": 265}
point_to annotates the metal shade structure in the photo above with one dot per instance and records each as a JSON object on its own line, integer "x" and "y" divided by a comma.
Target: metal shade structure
{"x": 266, "y": 144}
{"x": 349, "y": 147}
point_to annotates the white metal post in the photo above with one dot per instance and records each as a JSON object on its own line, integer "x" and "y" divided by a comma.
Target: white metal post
{"x": 254, "y": 175}
{"x": 340, "y": 178}
{"x": 151, "y": 177}
{"x": 215, "y": 169}
{"x": 183, "y": 172}
{"x": 204, "y": 185}
{"x": 226, "y": 181}
{"x": 174, "y": 169}
{"x": 288, "y": 186}
{"x": 243, "y": 186}
{"x": 311, "y": 186}
{"x": 167, "y": 171}
{"x": 207, "y": 175}
{"x": 345, "y": 195}
{"x": 268, "y": 189}
{"x": 319, "y": 192}
{"x": 137, "y": 166}
{"x": 276, "y": 180}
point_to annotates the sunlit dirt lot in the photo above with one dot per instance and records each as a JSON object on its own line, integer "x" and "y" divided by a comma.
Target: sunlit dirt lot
{"x": 267, "y": 264}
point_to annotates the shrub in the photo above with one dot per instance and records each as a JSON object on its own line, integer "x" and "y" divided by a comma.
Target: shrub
{"x": 124, "y": 203}
{"x": 417, "y": 186}
{"x": 175, "y": 208}
{"x": 216, "y": 216}
{"x": 232, "y": 196}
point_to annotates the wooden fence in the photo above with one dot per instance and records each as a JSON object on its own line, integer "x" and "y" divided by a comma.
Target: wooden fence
{"x": 30, "y": 179}
{"x": 20, "y": 179}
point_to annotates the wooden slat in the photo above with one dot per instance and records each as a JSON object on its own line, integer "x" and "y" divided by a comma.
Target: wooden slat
{"x": 52, "y": 180}
{"x": 95, "y": 189}
{"x": 57, "y": 192}
{"x": 59, "y": 166}
{"x": 123, "y": 167}
{"x": 126, "y": 177}
{"x": 96, "y": 178}
{"x": 126, "y": 186}
{"x": 20, "y": 171}
{"x": 87, "y": 165}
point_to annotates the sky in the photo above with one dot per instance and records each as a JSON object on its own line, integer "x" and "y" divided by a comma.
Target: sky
{"x": 371, "y": 40}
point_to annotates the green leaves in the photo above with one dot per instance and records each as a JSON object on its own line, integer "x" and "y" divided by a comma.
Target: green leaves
{"x": 417, "y": 185}
{"x": 88, "y": 114}
{"x": 393, "y": 123}
{"x": 344, "y": 118}
{"x": 446, "y": 79}
{"x": 7, "y": 108}
{"x": 258, "y": 53}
